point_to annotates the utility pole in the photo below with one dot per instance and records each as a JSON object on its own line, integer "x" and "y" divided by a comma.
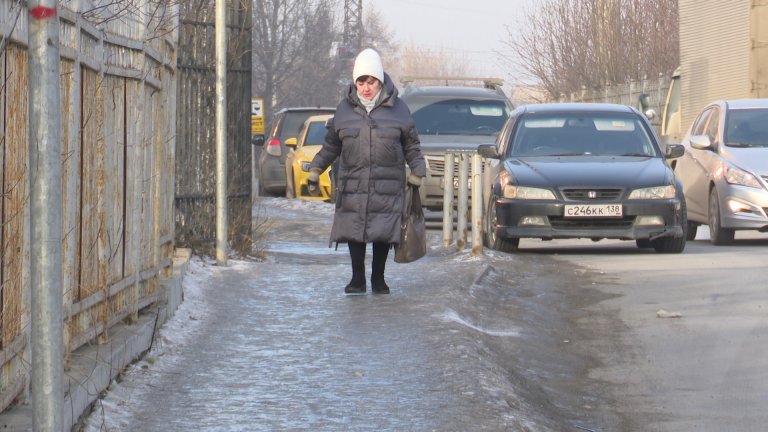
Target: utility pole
{"x": 45, "y": 217}
{"x": 221, "y": 133}
{"x": 351, "y": 39}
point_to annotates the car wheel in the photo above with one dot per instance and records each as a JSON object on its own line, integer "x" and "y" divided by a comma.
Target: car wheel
{"x": 717, "y": 234}
{"x": 492, "y": 240}
{"x": 644, "y": 243}
{"x": 290, "y": 186}
{"x": 262, "y": 192}
{"x": 691, "y": 233}
{"x": 674, "y": 244}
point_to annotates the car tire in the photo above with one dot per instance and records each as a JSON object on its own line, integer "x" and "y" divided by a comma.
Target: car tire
{"x": 674, "y": 244}
{"x": 492, "y": 240}
{"x": 717, "y": 234}
{"x": 262, "y": 192}
{"x": 290, "y": 186}
{"x": 644, "y": 243}
{"x": 691, "y": 233}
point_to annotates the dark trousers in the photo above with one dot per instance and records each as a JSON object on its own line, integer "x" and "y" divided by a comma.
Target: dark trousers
{"x": 357, "y": 255}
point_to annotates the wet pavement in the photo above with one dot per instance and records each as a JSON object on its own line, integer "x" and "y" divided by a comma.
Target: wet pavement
{"x": 461, "y": 344}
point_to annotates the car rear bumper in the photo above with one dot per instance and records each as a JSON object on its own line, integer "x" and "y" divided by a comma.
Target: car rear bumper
{"x": 272, "y": 174}
{"x": 514, "y": 221}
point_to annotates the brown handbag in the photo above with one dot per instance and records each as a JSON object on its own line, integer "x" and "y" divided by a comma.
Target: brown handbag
{"x": 413, "y": 229}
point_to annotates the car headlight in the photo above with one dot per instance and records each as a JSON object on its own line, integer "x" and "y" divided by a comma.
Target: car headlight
{"x": 656, "y": 192}
{"x": 740, "y": 177}
{"x": 524, "y": 192}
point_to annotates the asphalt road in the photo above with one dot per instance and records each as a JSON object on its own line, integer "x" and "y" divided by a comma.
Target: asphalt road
{"x": 692, "y": 352}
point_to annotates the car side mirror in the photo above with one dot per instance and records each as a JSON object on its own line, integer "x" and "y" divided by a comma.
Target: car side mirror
{"x": 674, "y": 151}
{"x": 258, "y": 140}
{"x": 701, "y": 142}
{"x": 291, "y": 142}
{"x": 488, "y": 151}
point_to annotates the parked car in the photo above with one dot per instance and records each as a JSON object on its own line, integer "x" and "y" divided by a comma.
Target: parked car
{"x": 582, "y": 171}
{"x": 297, "y": 161}
{"x": 286, "y": 124}
{"x": 725, "y": 168}
{"x": 453, "y": 118}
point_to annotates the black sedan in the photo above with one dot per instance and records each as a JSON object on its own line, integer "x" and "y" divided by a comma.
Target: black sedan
{"x": 582, "y": 171}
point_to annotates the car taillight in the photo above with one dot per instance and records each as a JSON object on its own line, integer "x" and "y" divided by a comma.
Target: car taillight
{"x": 273, "y": 147}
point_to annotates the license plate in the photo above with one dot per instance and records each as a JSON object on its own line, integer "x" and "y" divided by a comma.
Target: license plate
{"x": 593, "y": 211}
{"x": 456, "y": 182}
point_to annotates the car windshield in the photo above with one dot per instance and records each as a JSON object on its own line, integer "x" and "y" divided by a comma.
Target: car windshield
{"x": 315, "y": 134}
{"x": 581, "y": 134}
{"x": 747, "y": 128}
{"x": 294, "y": 121}
{"x": 459, "y": 116}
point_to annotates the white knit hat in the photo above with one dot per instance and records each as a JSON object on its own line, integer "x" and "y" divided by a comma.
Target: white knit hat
{"x": 368, "y": 62}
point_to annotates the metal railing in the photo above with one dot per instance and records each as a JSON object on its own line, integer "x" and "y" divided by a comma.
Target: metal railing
{"x": 462, "y": 202}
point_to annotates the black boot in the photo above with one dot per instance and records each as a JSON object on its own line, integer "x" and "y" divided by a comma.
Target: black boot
{"x": 380, "y": 252}
{"x": 357, "y": 255}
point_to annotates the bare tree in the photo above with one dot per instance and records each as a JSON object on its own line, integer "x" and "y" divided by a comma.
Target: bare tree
{"x": 313, "y": 79}
{"x": 291, "y": 50}
{"x": 378, "y": 35}
{"x": 425, "y": 62}
{"x": 567, "y": 44}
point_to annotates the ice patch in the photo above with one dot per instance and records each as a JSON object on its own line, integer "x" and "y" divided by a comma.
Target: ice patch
{"x": 318, "y": 207}
{"x": 452, "y": 315}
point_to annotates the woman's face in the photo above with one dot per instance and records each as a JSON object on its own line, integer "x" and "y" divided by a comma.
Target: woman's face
{"x": 368, "y": 86}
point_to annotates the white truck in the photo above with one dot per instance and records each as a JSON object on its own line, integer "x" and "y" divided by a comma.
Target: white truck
{"x": 723, "y": 55}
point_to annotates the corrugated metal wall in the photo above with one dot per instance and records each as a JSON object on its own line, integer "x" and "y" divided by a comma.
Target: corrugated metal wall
{"x": 196, "y": 145}
{"x": 759, "y": 32}
{"x": 715, "y": 53}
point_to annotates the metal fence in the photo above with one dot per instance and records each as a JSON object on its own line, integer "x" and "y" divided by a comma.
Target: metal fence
{"x": 118, "y": 116}
{"x": 627, "y": 94}
{"x": 196, "y": 146}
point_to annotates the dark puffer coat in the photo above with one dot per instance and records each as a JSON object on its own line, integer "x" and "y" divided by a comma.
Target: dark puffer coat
{"x": 373, "y": 149}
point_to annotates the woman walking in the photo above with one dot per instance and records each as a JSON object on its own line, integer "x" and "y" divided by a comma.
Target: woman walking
{"x": 374, "y": 136}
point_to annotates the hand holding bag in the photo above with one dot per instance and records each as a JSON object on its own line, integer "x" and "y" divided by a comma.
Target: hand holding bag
{"x": 413, "y": 229}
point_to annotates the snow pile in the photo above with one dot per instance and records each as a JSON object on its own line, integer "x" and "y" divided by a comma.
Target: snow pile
{"x": 111, "y": 413}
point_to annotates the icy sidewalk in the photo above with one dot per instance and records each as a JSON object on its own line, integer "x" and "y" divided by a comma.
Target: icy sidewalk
{"x": 276, "y": 345}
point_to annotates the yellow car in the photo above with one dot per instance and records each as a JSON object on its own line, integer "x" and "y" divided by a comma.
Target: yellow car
{"x": 302, "y": 150}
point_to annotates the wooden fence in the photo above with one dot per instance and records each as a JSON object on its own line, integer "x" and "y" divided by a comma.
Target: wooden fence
{"x": 118, "y": 120}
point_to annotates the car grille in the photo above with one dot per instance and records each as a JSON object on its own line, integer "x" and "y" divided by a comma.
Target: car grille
{"x": 574, "y": 194}
{"x": 559, "y": 222}
{"x": 436, "y": 165}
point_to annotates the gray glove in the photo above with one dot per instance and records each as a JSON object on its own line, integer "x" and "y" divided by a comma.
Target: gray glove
{"x": 313, "y": 182}
{"x": 414, "y": 180}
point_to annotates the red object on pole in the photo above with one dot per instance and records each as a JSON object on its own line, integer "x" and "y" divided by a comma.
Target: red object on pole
{"x": 42, "y": 12}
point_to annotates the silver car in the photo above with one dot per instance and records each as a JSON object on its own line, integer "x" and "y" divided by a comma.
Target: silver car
{"x": 453, "y": 119}
{"x": 725, "y": 169}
